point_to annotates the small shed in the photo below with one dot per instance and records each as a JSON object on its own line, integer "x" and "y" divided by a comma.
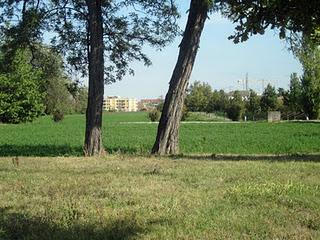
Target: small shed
{"x": 274, "y": 116}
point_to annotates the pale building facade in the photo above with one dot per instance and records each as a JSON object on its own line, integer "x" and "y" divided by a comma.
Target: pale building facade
{"x": 149, "y": 104}
{"x": 119, "y": 104}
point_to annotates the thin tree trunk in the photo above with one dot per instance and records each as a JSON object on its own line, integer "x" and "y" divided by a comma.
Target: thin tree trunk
{"x": 167, "y": 141}
{"x": 93, "y": 137}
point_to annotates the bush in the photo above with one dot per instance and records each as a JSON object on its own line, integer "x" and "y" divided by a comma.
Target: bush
{"x": 57, "y": 116}
{"x": 234, "y": 112}
{"x": 185, "y": 113}
{"x": 154, "y": 115}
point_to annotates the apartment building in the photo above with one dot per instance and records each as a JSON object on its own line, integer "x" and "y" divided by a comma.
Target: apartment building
{"x": 119, "y": 104}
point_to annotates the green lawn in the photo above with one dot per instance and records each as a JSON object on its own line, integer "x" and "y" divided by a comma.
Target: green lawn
{"x": 127, "y": 197}
{"x": 121, "y": 134}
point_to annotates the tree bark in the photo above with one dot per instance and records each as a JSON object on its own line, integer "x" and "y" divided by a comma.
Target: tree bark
{"x": 93, "y": 137}
{"x": 167, "y": 141}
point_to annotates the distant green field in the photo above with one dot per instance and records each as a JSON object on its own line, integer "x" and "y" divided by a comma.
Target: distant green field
{"x": 122, "y": 133}
{"x": 121, "y": 197}
{"x": 125, "y": 117}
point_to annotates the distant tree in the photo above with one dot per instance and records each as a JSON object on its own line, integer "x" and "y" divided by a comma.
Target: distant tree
{"x": 222, "y": 102}
{"x": 253, "y": 104}
{"x": 218, "y": 101}
{"x": 20, "y": 97}
{"x": 79, "y": 95}
{"x": 198, "y": 97}
{"x": 58, "y": 98}
{"x": 295, "y": 95}
{"x": 57, "y": 87}
{"x": 213, "y": 102}
{"x": 281, "y": 92}
{"x": 81, "y": 99}
{"x": 309, "y": 56}
{"x": 235, "y": 107}
{"x": 268, "y": 100}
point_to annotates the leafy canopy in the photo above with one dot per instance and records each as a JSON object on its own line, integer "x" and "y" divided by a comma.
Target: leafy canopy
{"x": 255, "y": 16}
{"x": 20, "y": 97}
{"x": 127, "y": 26}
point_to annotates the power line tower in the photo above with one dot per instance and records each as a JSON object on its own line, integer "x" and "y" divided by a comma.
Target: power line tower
{"x": 263, "y": 84}
{"x": 245, "y": 83}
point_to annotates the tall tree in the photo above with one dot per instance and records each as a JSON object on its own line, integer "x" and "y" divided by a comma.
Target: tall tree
{"x": 253, "y": 104}
{"x": 89, "y": 34}
{"x": 93, "y": 138}
{"x": 309, "y": 56}
{"x": 295, "y": 95}
{"x": 167, "y": 140}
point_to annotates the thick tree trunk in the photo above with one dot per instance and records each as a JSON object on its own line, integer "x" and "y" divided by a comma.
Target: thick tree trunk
{"x": 167, "y": 141}
{"x": 93, "y": 137}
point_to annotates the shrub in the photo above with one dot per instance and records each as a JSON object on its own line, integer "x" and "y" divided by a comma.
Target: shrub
{"x": 234, "y": 112}
{"x": 154, "y": 115}
{"x": 57, "y": 116}
{"x": 185, "y": 113}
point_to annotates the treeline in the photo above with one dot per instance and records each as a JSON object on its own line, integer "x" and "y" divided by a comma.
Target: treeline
{"x": 294, "y": 103}
{"x": 33, "y": 82}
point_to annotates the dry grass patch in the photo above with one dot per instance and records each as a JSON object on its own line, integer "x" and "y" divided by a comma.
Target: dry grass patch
{"x": 125, "y": 197}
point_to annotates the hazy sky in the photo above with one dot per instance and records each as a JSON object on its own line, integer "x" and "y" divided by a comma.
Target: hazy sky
{"x": 220, "y": 62}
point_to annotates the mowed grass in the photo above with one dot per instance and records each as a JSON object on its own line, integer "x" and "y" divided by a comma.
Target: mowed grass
{"x": 128, "y": 197}
{"x": 132, "y": 133}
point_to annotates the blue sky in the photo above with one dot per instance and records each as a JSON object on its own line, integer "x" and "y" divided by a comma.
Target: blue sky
{"x": 220, "y": 62}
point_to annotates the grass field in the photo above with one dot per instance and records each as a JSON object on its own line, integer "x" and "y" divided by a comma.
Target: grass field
{"x": 122, "y": 133}
{"x": 127, "y": 197}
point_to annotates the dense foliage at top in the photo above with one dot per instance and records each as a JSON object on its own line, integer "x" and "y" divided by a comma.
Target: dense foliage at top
{"x": 127, "y": 26}
{"x": 255, "y": 16}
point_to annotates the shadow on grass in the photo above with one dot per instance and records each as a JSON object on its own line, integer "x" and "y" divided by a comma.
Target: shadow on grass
{"x": 39, "y": 150}
{"x": 55, "y": 150}
{"x": 303, "y": 121}
{"x": 253, "y": 157}
{"x": 66, "y": 150}
{"x": 16, "y": 226}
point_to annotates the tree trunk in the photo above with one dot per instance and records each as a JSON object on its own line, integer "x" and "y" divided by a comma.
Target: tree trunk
{"x": 167, "y": 141}
{"x": 93, "y": 137}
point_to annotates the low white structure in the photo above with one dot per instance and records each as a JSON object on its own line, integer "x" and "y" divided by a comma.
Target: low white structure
{"x": 274, "y": 116}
